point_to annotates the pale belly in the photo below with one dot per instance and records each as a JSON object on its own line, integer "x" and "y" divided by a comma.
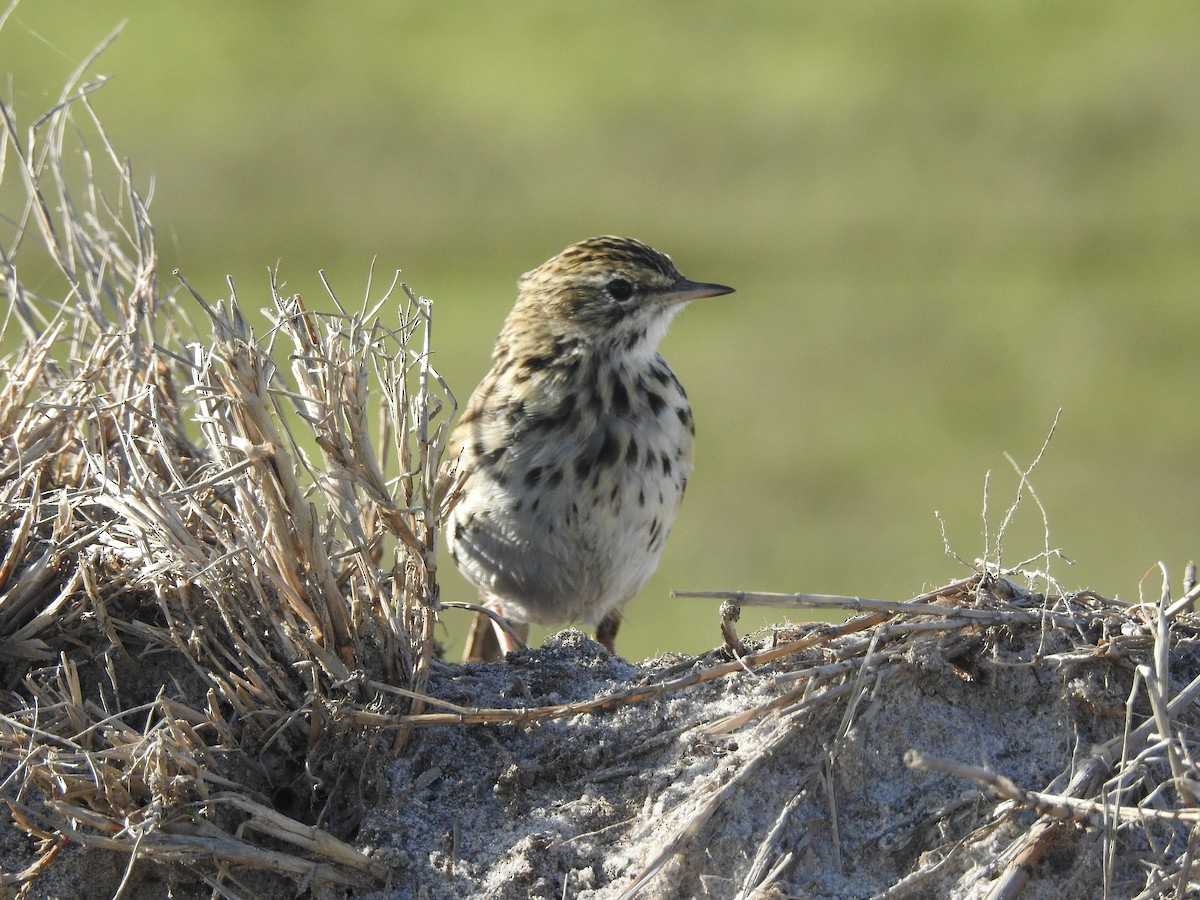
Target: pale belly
{"x": 570, "y": 530}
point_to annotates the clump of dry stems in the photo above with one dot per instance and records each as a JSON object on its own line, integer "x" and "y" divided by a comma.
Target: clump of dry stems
{"x": 218, "y": 581}
{"x": 207, "y": 562}
{"x": 1137, "y": 791}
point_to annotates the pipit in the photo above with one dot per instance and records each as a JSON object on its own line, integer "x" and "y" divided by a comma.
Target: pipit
{"x": 575, "y": 449}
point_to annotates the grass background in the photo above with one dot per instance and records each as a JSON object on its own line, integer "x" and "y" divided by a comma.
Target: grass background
{"x": 944, "y": 222}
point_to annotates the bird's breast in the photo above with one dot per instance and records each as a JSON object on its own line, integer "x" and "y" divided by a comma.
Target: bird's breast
{"x": 573, "y": 484}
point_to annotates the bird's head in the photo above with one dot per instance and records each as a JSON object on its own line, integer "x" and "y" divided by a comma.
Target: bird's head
{"x": 608, "y": 293}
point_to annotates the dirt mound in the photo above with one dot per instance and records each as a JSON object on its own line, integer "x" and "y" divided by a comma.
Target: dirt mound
{"x": 789, "y": 778}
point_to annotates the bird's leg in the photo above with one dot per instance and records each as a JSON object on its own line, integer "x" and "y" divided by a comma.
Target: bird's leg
{"x": 489, "y": 639}
{"x": 511, "y": 637}
{"x": 606, "y": 631}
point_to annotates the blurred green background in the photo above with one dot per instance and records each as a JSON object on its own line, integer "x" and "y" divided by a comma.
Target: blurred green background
{"x": 944, "y": 221}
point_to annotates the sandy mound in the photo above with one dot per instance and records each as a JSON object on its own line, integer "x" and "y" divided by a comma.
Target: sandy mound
{"x": 811, "y": 797}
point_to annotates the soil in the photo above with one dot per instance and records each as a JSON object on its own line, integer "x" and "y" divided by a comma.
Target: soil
{"x": 579, "y": 806}
{"x": 814, "y": 801}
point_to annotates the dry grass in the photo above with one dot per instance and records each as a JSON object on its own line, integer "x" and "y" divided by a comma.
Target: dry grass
{"x": 1142, "y": 782}
{"x": 218, "y": 586}
{"x": 207, "y": 568}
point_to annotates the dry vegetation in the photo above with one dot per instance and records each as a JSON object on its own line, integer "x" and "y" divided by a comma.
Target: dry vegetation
{"x": 206, "y": 573}
{"x": 218, "y": 588}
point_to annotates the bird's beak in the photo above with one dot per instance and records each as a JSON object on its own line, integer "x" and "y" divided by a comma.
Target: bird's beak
{"x": 684, "y": 291}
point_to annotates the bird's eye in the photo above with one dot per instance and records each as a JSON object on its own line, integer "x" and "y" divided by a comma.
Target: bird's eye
{"x": 619, "y": 289}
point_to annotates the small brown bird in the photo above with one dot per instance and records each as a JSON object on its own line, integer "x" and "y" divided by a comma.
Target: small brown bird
{"x": 576, "y": 447}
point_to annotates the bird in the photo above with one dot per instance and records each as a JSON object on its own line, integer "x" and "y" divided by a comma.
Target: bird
{"x": 573, "y": 453}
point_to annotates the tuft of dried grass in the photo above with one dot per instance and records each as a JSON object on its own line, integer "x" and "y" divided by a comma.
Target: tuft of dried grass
{"x": 1138, "y": 787}
{"x": 213, "y": 562}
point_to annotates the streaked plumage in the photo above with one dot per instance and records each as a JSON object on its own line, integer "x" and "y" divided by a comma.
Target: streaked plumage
{"x": 577, "y": 445}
